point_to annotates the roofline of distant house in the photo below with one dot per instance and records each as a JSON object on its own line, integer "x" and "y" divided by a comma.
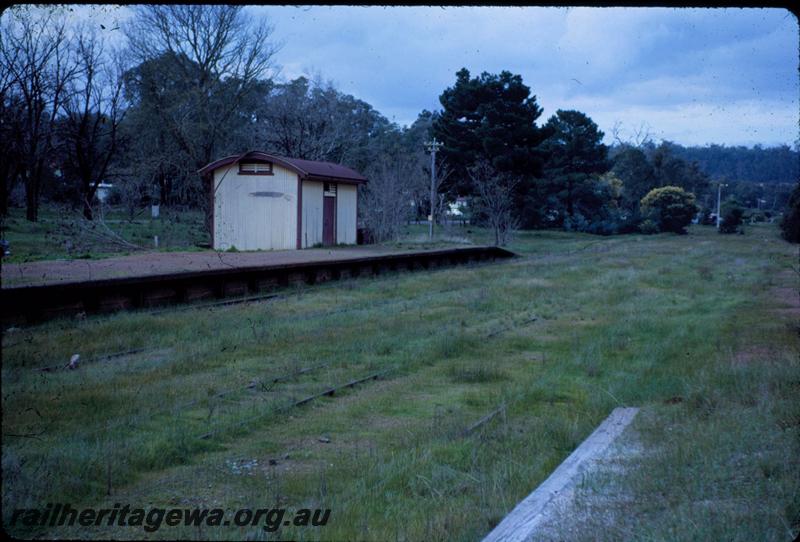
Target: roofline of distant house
{"x": 305, "y": 175}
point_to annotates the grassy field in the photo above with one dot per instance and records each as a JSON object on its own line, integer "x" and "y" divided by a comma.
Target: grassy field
{"x": 701, "y": 331}
{"x": 62, "y": 233}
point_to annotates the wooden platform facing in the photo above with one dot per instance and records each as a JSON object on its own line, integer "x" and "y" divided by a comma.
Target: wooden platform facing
{"x": 42, "y": 290}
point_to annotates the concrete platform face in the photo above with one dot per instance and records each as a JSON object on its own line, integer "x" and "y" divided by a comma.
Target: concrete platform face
{"x": 170, "y": 263}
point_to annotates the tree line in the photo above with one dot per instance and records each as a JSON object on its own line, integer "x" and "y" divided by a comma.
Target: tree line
{"x": 194, "y": 83}
{"x": 191, "y": 84}
{"x": 779, "y": 164}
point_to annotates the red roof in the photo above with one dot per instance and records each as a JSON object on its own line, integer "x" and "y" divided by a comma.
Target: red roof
{"x": 306, "y": 169}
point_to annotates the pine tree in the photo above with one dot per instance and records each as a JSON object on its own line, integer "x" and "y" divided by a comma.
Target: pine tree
{"x": 490, "y": 117}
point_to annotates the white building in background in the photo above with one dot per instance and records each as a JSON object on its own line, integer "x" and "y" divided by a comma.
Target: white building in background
{"x": 262, "y": 202}
{"x": 103, "y": 191}
{"x": 458, "y": 207}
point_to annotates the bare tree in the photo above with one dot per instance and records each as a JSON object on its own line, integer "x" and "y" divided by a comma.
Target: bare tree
{"x": 311, "y": 119}
{"x": 640, "y": 136}
{"x": 300, "y": 119}
{"x": 217, "y": 55}
{"x": 386, "y": 201}
{"x": 496, "y": 198}
{"x": 616, "y": 132}
{"x": 11, "y": 124}
{"x": 216, "y": 50}
{"x": 439, "y": 202}
{"x": 34, "y": 49}
{"x": 93, "y": 114}
{"x": 131, "y": 187}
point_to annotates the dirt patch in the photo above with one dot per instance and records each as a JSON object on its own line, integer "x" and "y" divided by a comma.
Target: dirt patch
{"x": 272, "y": 467}
{"x": 753, "y": 354}
{"x": 313, "y": 455}
{"x": 789, "y": 298}
{"x": 531, "y": 282}
{"x": 166, "y": 263}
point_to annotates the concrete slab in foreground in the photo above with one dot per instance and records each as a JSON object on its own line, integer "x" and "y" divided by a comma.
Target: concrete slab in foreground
{"x": 524, "y": 520}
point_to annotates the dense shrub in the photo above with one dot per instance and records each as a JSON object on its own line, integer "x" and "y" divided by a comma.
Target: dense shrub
{"x": 615, "y": 221}
{"x": 754, "y": 216}
{"x": 790, "y": 224}
{"x": 732, "y": 214}
{"x": 576, "y": 222}
{"x": 670, "y": 207}
{"x": 706, "y": 217}
{"x": 648, "y": 227}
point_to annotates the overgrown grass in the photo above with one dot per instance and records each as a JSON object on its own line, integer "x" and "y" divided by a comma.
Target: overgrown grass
{"x": 633, "y": 320}
{"x": 723, "y": 454}
{"x": 61, "y": 233}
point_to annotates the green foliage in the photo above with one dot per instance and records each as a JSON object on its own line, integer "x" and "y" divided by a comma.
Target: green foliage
{"x": 671, "y": 207}
{"x": 315, "y": 121}
{"x": 731, "y": 217}
{"x": 61, "y": 234}
{"x": 754, "y": 216}
{"x": 706, "y": 217}
{"x": 671, "y": 170}
{"x": 768, "y": 197}
{"x": 644, "y": 168}
{"x": 572, "y": 193}
{"x": 575, "y": 145}
{"x": 649, "y": 227}
{"x": 770, "y": 165}
{"x": 790, "y": 224}
{"x": 493, "y": 117}
{"x": 160, "y": 88}
{"x": 636, "y": 172}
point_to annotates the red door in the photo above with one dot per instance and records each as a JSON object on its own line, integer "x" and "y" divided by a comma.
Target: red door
{"x": 328, "y": 218}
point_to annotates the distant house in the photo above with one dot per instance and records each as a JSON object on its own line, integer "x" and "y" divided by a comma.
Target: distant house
{"x": 261, "y": 202}
{"x": 458, "y": 207}
{"x": 104, "y": 190}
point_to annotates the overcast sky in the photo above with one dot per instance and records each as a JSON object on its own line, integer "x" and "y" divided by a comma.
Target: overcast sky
{"x": 694, "y": 76}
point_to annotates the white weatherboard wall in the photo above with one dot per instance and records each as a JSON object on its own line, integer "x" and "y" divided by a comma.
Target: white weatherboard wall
{"x": 346, "y": 214}
{"x": 312, "y": 214}
{"x": 255, "y": 212}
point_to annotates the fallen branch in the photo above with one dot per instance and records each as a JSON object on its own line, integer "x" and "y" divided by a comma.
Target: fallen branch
{"x": 486, "y": 419}
{"x": 107, "y": 234}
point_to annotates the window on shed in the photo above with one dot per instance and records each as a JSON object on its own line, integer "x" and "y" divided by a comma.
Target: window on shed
{"x": 255, "y": 168}
{"x": 329, "y": 189}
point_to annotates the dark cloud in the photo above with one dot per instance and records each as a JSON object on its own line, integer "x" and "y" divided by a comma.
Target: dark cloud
{"x": 694, "y": 75}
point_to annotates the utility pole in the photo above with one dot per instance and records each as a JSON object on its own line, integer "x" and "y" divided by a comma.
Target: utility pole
{"x": 433, "y": 146}
{"x": 719, "y": 202}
